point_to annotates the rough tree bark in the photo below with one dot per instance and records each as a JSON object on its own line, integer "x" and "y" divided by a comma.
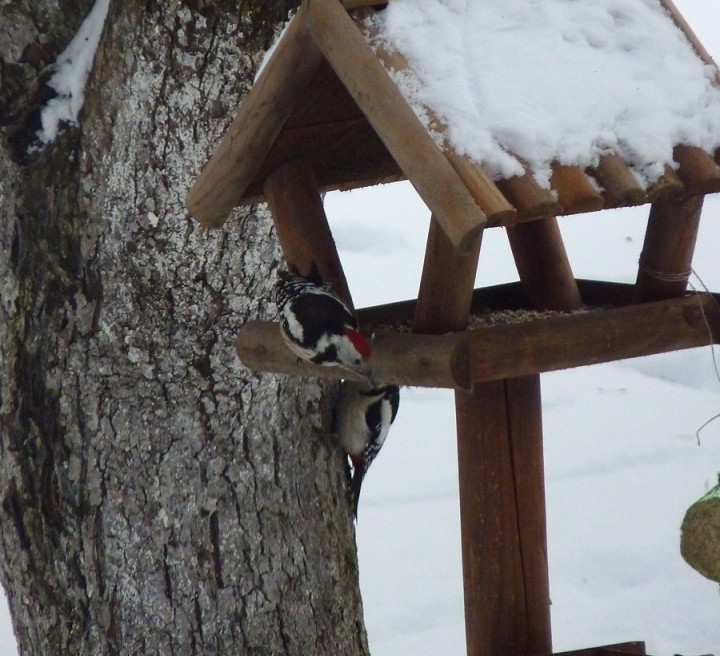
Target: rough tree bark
{"x": 155, "y": 496}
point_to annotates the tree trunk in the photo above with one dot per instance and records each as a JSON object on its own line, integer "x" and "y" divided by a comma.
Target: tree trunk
{"x": 156, "y": 496}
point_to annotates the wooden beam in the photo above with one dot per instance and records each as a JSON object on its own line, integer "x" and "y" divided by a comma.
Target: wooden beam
{"x": 583, "y": 338}
{"x": 507, "y": 296}
{"x": 697, "y": 169}
{"x": 543, "y": 265}
{"x": 302, "y": 227}
{"x": 667, "y": 252}
{"x": 574, "y": 190}
{"x": 609, "y": 650}
{"x": 446, "y": 285}
{"x": 478, "y": 182}
{"x": 620, "y": 186}
{"x": 260, "y": 118}
{"x": 502, "y": 510}
{"x": 393, "y": 119}
{"x": 530, "y": 199}
{"x": 454, "y": 360}
{"x": 399, "y": 358}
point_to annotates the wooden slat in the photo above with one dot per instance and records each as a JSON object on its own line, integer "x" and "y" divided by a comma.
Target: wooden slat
{"x": 483, "y": 189}
{"x": 480, "y": 185}
{"x": 506, "y": 351}
{"x": 399, "y": 358}
{"x": 302, "y": 227}
{"x": 592, "y": 337}
{"x": 621, "y": 187}
{"x": 235, "y": 162}
{"x": 446, "y": 285}
{"x": 575, "y": 192}
{"x": 697, "y": 170}
{"x": 543, "y": 265}
{"x": 346, "y": 154}
{"x": 668, "y": 186}
{"x": 667, "y": 252}
{"x": 502, "y": 509}
{"x": 389, "y": 113}
{"x": 609, "y": 650}
{"x": 529, "y": 199}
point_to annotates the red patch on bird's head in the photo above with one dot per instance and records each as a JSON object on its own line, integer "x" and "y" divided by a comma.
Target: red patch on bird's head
{"x": 359, "y": 342}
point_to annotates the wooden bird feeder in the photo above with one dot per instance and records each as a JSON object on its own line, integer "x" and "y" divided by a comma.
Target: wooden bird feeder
{"x": 324, "y": 114}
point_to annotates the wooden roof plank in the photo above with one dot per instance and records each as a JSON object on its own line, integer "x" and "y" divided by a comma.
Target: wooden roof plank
{"x": 697, "y": 170}
{"x": 576, "y": 194}
{"x": 232, "y": 167}
{"x": 394, "y": 120}
{"x": 478, "y": 182}
{"x": 667, "y": 186}
{"x": 530, "y": 199}
{"x": 621, "y": 187}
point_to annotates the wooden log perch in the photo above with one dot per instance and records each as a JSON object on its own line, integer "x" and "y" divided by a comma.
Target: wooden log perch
{"x": 455, "y": 360}
{"x": 393, "y": 119}
{"x": 592, "y": 337}
{"x": 400, "y": 358}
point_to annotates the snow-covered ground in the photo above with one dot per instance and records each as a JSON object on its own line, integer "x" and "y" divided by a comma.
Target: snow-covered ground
{"x": 622, "y": 459}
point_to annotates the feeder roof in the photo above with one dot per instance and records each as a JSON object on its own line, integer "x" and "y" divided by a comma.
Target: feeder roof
{"x": 353, "y": 95}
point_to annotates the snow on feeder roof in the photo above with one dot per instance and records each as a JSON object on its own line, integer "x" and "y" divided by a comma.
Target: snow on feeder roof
{"x": 567, "y": 108}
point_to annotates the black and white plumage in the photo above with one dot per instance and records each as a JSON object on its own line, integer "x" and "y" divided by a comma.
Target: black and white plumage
{"x": 317, "y": 326}
{"x": 363, "y": 417}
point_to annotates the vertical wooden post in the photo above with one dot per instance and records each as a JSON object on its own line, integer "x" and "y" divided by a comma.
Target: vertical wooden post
{"x": 668, "y": 249}
{"x": 302, "y": 227}
{"x": 446, "y": 286}
{"x": 502, "y": 500}
{"x": 502, "y": 506}
{"x": 543, "y": 265}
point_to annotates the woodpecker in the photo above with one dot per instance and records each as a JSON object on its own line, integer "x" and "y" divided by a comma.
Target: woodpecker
{"x": 363, "y": 416}
{"x": 317, "y": 326}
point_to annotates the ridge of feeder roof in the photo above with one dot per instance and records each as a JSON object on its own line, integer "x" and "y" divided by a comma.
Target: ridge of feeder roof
{"x": 548, "y": 81}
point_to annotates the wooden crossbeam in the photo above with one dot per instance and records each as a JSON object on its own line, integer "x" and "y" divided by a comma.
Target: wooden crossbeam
{"x": 583, "y": 338}
{"x": 400, "y": 358}
{"x": 393, "y": 119}
{"x": 456, "y": 360}
{"x": 609, "y": 650}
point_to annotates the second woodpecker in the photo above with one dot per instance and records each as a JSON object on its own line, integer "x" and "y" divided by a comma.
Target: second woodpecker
{"x": 363, "y": 417}
{"x": 317, "y": 326}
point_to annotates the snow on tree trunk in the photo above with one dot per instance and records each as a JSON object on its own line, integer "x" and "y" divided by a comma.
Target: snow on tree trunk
{"x": 156, "y": 497}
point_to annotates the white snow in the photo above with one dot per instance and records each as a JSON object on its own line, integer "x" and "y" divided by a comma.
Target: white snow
{"x": 72, "y": 69}
{"x": 622, "y": 458}
{"x": 563, "y": 80}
